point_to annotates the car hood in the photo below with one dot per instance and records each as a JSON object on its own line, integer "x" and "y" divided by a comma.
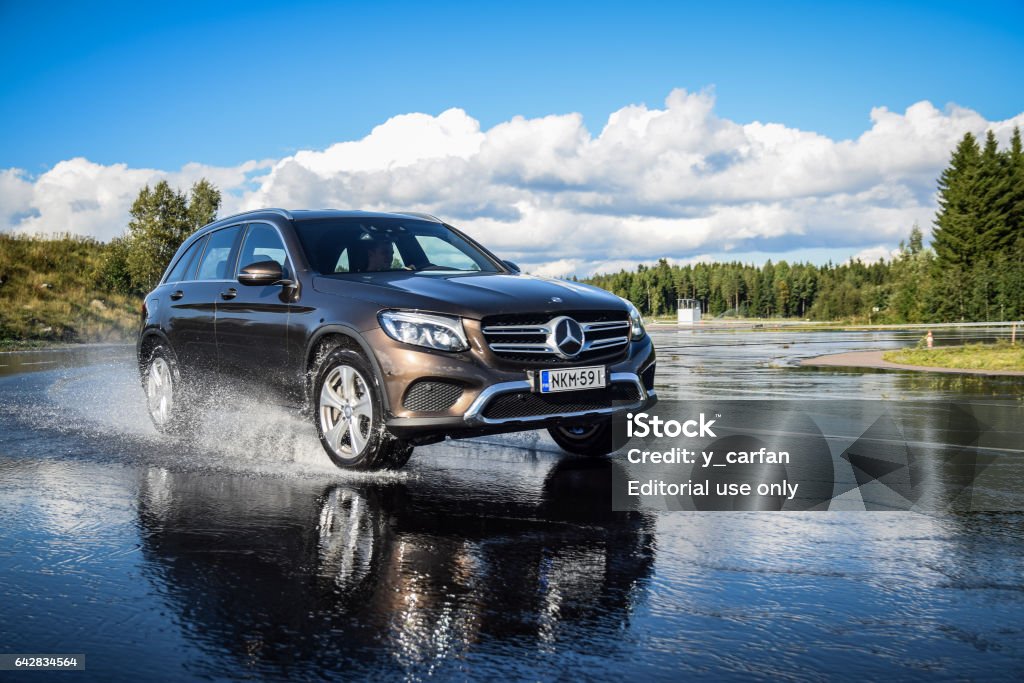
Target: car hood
{"x": 469, "y": 296}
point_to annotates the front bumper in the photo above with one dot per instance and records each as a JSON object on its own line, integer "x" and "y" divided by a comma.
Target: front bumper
{"x": 496, "y": 396}
{"x": 477, "y": 413}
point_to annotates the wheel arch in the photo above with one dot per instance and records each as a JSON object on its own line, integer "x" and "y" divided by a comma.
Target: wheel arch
{"x": 149, "y": 340}
{"x": 332, "y": 336}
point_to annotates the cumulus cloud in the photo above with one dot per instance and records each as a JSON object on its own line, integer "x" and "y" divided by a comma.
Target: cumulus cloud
{"x": 675, "y": 182}
{"x": 875, "y": 254}
{"x": 81, "y": 197}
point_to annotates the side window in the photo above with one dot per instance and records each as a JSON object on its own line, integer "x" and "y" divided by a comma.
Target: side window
{"x": 183, "y": 269}
{"x": 262, "y": 243}
{"x": 216, "y": 263}
{"x": 342, "y": 265}
{"x": 444, "y": 254}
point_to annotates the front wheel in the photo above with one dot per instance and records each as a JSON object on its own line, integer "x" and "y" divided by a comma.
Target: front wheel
{"x": 350, "y": 418}
{"x": 596, "y": 438}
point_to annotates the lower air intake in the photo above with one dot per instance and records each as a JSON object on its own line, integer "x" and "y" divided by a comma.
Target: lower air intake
{"x": 431, "y": 396}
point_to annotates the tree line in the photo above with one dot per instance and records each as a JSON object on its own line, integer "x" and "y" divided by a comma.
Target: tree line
{"x": 972, "y": 271}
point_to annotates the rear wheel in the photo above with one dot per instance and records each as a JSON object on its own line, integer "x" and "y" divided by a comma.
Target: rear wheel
{"x": 165, "y": 399}
{"x": 350, "y": 417}
{"x": 596, "y": 438}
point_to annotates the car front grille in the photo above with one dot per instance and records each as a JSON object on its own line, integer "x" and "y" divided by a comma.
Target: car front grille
{"x": 525, "y": 338}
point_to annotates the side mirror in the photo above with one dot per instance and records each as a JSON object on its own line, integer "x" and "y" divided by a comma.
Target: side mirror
{"x": 263, "y": 273}
{"x": 511, "y": 266}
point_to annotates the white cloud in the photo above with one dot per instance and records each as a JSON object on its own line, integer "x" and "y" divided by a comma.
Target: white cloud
{"x": 875, "y": 254}
{"x": 15, "y": 196}
{"x": 673, "y": 182}
{"x": 84, "y": 198}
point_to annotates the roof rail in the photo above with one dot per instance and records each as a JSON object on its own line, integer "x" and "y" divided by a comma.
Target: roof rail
{"x": 418, "y": 214}
{"x": 280, "y": 212}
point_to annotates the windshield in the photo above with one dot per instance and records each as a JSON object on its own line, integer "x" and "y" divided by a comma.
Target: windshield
{"x": 372, "y": 245}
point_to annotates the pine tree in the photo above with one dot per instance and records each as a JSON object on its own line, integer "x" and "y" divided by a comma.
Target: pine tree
{"x": 993, "y": 195}
{"x": 955, "y": 235}
{"x": 909, "y": 280}
{"x": 1015, "y": 190}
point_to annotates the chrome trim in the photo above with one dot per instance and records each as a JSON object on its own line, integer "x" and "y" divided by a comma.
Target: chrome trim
{"x": 569, "y": 338}
{"x": 608, "y": 325}
{"x": 545, "y": 329}
{"x": 521, "y": 348}
{"x": 535, "y": 347}
{"x": 474, "y": 416}
{"x": 548, "y": 346}
{"x": 651, "y": 366}
{"x": 516, "y": 329}
{"x": 605, "y": 343}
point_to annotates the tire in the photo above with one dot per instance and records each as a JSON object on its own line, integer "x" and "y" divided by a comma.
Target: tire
{"x": 166, "y": 400}
{"x": 594, "y": 439}
{"x": 349, "y": 415}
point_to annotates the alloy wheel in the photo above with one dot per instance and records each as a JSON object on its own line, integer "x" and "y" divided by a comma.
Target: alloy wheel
{"x": 160, "y": 390}
{"x": 346, "y": 411}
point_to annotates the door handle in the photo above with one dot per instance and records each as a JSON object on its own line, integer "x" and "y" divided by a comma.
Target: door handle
{"x": 230, "y": 293}
{"x": 177, "y": 295}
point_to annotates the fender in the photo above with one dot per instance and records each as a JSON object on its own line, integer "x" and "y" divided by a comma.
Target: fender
{"x": 353, "y": 334}
{"x": 149, "y": 333}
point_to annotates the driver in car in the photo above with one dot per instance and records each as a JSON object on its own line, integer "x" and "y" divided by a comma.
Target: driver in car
{"x": 380, "y": 255}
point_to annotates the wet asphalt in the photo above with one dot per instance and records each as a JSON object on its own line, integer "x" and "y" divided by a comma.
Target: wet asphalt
{"x": 243, "y": 554}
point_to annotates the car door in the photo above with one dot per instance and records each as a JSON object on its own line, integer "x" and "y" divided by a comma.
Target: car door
{"x": 191, "y": 324}
{"x": 179, "y": 299}
{"x": 252, "y": 320}
{"x": 188, "y": 321}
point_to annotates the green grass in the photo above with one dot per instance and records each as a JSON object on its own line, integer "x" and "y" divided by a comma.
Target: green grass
{"x": 998, "y": 357}
{"x": 49, "y": 294}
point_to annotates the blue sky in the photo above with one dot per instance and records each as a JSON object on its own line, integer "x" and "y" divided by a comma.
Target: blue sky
{"x": 742, "y": 130}
{"x": 157, "y": 85}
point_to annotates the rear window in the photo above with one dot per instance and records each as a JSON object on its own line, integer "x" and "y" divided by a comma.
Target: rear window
{"x": 185, "y": 266}
{"x": 216, "y": 263}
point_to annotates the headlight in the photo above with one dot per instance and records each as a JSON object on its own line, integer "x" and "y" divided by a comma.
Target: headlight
{"x": 432, "y": 331}
{"x": 636, "y": 322}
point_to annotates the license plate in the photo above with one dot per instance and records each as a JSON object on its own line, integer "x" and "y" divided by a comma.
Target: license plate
{"x": 571, "y": 379}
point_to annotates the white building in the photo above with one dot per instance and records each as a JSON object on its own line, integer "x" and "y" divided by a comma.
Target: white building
{"x": 688, "y": 311}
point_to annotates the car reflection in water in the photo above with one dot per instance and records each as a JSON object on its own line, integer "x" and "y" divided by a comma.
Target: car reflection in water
{"x": 281, "y": 576}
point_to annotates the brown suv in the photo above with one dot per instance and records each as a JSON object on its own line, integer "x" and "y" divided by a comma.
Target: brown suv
{"x": 392, "y": 330}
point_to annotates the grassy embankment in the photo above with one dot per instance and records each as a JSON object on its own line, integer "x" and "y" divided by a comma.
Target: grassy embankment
{"x": 49, "y": 294}
{"x": 1001, "y": 356}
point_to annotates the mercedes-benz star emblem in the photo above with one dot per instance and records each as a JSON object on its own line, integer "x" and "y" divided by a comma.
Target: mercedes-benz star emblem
{"x": 566, "y": 337}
